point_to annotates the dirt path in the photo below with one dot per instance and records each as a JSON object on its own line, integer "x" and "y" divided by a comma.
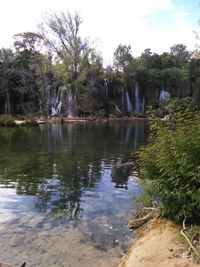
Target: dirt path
{"x": 160, "y": 246}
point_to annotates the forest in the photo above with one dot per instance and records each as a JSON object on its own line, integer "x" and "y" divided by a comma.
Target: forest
{"x": 55, "y": 72}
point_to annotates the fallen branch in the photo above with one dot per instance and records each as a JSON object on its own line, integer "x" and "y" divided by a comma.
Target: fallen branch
{"x": 190, "y": 249}
{"x": 189, "y": 241}
{"x": 142, "y": 217}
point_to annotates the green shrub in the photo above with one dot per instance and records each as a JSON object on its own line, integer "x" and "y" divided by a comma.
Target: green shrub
{"x": 30, "y": 121}
{"x": 7, "y": 120}
{"x": 171, "y": 162}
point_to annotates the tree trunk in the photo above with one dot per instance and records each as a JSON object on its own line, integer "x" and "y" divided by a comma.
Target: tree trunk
{"x": 7, "y": 104}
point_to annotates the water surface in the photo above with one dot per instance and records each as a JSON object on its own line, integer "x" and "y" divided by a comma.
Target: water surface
{"x": 65, "y": 195}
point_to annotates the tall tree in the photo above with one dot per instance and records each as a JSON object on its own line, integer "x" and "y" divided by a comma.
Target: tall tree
{"x": 180, "y": 55}
{"x": 6, "y": 73}
{"x": 150, "y": 60}
{"x": 32, "y": 68}
{"x": 122, "y": 57}
{"x": 60, "y": 33}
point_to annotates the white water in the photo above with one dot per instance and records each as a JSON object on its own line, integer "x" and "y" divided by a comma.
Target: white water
{"x": 117, "y": 108}
{"x": 128, "y": 102}
{"x": 137, "y": 98}
{"x": 164, "y": 94}
{"x": 58, "y": 100}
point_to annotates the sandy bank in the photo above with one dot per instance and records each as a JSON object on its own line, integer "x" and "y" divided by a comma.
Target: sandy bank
{"x": 159, "y": 246}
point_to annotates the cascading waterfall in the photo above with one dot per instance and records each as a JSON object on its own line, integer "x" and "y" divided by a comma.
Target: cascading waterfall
{"x": 139, "y": 105}
{"x": 58, "y": 110}
{"x": 56, "y": 107}
{"x": 71, "y": 105}
{"x": 163, "y": 94}
{"x": 143, "y": 104}
{"x": 117, "y": 108}
{"x": 122, "y": 92}
{"x": 137, "y": 98}
{"x": 128, "y": 102}
{"x": 51, "y": 98}
{"x": 60, "y": 101}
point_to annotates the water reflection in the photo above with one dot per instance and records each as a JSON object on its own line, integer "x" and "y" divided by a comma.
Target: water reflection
{"x": 120, "y": 175}
{"x": 70, "y": 169}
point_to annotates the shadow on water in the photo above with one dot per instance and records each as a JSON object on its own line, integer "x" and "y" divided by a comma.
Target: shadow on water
{"x": 72, "y": 172}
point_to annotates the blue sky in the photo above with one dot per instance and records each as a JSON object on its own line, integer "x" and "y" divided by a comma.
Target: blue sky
{"x": 155, "y": 24}
{"x": 186, "y": 10}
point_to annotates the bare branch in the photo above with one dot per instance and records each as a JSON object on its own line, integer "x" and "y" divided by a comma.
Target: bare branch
{"x": 188, "y": 240}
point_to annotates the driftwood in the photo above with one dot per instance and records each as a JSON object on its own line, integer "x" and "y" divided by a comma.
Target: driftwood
{"x": 143, "y": 217}
{"x": 191, "y": 246}
{"x": 3, "y": 264}
{"x": 192, "y": 239}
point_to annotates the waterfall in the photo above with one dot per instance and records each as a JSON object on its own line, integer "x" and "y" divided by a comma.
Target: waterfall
{"x": 163, "y": 94}
{"x": 143, "y": 104}
{"x": 117, "y": 108}
{"x": 122, "y": 89}
{"x": 137, "y": 98}
{"x": 58, "y": 110}
{"x": 53, "y": 111}
{"x": 60, "y": 101}
{"x": 70, "y": 105}
{"x": 51, "y": 98}
{"x": 106, "y": 89}
{"x": 128, "y": 102}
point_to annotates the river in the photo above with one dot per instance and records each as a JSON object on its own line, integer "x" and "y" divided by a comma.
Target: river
{"x": 65, "y": 194}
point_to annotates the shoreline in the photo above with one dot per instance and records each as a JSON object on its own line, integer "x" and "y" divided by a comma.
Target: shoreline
{"x": 21, "y": 122}
{"x": 89, "y": 119}
{"x": 158, "y": 244}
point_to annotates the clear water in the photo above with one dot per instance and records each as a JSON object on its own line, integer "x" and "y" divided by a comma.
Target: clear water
{"x": 70, "y": 175}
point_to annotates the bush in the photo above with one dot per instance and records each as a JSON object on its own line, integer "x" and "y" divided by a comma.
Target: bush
{"x": 171, "y": 162}
{"x": 30, "y": 121}
{"x": 7, "y": 120}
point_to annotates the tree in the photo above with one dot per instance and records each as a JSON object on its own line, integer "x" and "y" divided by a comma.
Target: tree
{"x": 91, "y": 85}
{"x": 150, "y": 60}
{"x": 166, "y": 60}
{"x": 32, "y": 67}
{"x": 194, "y": 69}
{"x": 27, "y": 41}
{"x": 180, "y": 55}
{"x": 122, "y": 57}
{"x": 6, "y": 82}
{"x": 177, "y": 81}
{"x": 60, "y": 33}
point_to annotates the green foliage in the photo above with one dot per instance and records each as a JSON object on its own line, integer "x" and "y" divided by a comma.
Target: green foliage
{"x": 171, "y": 162}
{"x": 70, "y": 60}
{"x": 122, "y": 57}
{"x": 7, "y": 120}
{"x": 180, "y": 55}
{"x": 150, "y": 60}
{"x": 177, "y": 81}
{"x": 30, "y": 121}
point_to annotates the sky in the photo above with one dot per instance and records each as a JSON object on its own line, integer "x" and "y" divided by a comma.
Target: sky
{"x": 155, "y": 24}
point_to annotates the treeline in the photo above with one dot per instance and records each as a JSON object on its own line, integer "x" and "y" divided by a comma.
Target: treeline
{"x": 55, "y": 68}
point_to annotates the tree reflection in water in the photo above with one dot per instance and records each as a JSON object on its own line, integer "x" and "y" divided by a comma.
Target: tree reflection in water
{"x": 60, "y": 165}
